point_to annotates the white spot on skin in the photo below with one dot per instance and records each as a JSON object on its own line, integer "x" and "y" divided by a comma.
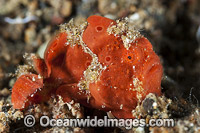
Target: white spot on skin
{"x": 67, "y": 43}
{"x": 121, "y": 106}
{"x": 51, "y": 50}
{"x": 122, "y": 60}
{"x": 33, "y": 79}
{"x": 134, "y": 68}
{"x": 39, "y": 77}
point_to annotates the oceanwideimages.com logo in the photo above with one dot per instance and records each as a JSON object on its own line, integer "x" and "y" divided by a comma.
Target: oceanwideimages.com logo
{"x": 45, "y": 121}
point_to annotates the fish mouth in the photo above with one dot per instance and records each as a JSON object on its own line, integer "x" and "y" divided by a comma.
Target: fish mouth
{"x": 152, "y": 76}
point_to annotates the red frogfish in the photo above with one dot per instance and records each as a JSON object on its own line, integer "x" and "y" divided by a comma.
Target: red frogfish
{"x": 101, "y": 64}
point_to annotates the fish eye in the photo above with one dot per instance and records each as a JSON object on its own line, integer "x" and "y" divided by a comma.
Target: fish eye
{"x": 99, "y": 28}
{"x": 129, "y": 57}
{"x": 107, "y": 58}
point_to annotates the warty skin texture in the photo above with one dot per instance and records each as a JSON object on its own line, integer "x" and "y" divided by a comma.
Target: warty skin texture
{"x": 120, "y": 79}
